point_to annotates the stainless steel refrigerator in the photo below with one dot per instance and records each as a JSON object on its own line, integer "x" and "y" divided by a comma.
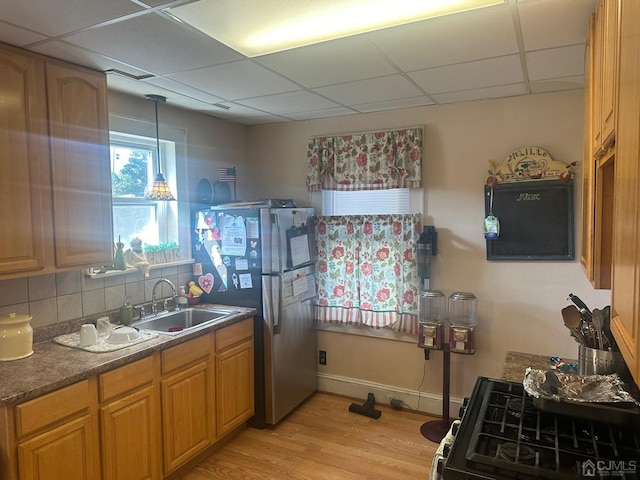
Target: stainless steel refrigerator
{"x": 253, "y": 255}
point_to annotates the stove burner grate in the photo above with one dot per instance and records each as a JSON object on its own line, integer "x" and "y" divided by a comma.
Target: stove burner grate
{"x": 506, "y": 437}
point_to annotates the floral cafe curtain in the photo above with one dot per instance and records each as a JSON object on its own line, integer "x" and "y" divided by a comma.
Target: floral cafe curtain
{"x": 365, "y": 161}
{"x": 366, "y": 271}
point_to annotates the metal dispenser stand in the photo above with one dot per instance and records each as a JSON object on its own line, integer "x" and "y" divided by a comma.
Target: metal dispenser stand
{"x": 434, "y": 430}
{"x": 462, "y": 305}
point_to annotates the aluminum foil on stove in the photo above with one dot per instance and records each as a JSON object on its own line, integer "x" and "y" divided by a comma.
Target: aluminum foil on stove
{"x": 578, "y": 388}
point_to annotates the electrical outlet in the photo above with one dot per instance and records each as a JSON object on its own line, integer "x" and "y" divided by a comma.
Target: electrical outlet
{"x": 322, "y": 357}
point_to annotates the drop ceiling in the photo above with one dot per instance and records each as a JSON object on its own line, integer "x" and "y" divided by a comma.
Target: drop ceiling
{"x": 518, "y": 48}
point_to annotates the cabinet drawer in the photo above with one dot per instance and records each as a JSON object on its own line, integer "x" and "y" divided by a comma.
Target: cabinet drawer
{"x": 49, "y": 409}
{"x": 186, "y": 353}
{"x": 228, "y": 336}
{"x": 125, "y": 379}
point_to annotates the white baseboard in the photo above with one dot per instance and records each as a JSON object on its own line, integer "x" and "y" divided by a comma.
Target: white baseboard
{"x": 412, "y": 399}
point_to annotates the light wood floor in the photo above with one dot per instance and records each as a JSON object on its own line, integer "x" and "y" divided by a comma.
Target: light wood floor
{"x": 323, "y": 440}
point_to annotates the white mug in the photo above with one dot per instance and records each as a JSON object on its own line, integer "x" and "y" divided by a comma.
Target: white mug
{"x": 88, "y": 335}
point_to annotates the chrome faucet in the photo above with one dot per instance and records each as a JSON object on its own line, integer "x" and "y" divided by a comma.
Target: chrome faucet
{"x": 174, "y": 296}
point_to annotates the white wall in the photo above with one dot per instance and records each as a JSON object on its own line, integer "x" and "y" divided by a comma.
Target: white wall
{"x": 519, "y": 303}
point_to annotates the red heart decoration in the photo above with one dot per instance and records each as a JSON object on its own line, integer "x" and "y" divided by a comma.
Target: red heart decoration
{"x": 206, "y": 282}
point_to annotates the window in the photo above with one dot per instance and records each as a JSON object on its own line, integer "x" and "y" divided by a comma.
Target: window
{"x": 365, "y": 261}
{"x": 133, "y": 166}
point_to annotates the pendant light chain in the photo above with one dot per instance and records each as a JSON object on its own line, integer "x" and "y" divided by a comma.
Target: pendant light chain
{"x": 159, "y": 190}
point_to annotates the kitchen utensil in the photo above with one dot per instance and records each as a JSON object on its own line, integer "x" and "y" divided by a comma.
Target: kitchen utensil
{"x": 16, "y": 336}
{"x": 88, "y": 335}
{"x": 572, "y": 321}
{"x": 584, "y": 310}
{"x": 598, "y": 323}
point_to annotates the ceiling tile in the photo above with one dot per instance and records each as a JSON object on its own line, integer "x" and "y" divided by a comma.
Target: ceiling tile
{"x": 80, "y": 56}
{"x": 185, "y": 90}
{"x": 236, "y": 80}
{"x": 261, "y": 120}
{"x": 555, "y": 85}
{"x": 481, "y": 93}
{"x": 286, "y": 103}
{"x": 55, "y": 17}
{"x": 465, "y": 76}
{"x": 483, "y": 33}
{"x": 325, "y": 113}
{"x": 394, "y": 104}
{"x": 18, "y": 36}
{"x": 338, "y": 61}
{"x": 373, "y": 90}
{"x": 136, "y": 87}
{"x": 555, "y": 62}
{"x": 236, "y": 110}
{"x": 160, "y": 45}
{"x": 567, "y": 26}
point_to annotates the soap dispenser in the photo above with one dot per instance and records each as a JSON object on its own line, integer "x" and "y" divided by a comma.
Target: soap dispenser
{"x": 183, "y": 300}
{"x": 126, "y": 313}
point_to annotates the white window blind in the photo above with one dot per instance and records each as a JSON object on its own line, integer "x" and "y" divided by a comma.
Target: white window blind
{"x": 365, "y": 202}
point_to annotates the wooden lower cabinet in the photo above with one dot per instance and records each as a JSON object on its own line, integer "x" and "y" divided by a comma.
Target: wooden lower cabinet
{"x": 129, "y": 423}
{"x": 142, "y": 421}
{"x": 188, "y": 422}
{"x": 57, "y": 435}
{"x": 234, "y": 376}
{"x": 63, "y": 452}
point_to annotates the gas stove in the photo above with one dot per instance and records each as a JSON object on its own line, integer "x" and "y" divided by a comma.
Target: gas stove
{"x": 502, "y": 435}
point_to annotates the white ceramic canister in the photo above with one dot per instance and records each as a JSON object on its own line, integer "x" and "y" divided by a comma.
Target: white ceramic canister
{"x": 16, "y": 337}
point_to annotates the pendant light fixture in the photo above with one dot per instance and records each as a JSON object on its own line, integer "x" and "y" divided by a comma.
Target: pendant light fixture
{"x": 159, "y": 190}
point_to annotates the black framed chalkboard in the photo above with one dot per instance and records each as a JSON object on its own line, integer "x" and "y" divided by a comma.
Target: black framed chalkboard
{"x": 536, "y": 220}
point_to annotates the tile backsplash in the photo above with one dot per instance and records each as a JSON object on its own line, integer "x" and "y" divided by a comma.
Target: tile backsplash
{"x": 64, "y": 296}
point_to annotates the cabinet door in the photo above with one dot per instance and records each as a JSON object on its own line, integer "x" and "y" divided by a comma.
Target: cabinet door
{"x": 234, "y": 387}
{"x": 609, "y": 70}
{"x": 81, "y": 178}
{"x": 129, "y": 437}
{"x": 67, "y": 452}
{"x": 625, "y": 291}
{"x": 588, "y": 165}
{"x": 596, "y": 80}
{"x": 26, "y": 242}
{"x": 187, "y": 414}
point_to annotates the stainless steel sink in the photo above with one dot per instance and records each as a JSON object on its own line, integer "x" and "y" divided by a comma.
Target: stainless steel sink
{"x": 178, "y": 321}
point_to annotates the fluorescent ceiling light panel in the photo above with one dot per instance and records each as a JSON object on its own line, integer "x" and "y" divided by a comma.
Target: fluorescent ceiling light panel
{"x": 258, "y": 27}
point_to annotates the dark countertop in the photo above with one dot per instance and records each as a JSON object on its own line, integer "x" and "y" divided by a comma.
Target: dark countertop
{"x": 515, "y": 364}
{"x": 53, "y": 366}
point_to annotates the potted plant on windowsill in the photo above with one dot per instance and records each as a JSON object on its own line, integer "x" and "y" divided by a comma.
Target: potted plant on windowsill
{"x": 162, "y": 253}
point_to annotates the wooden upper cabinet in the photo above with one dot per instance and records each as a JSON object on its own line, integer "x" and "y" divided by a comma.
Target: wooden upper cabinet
{"x": 25, "y": 198}
{"x": 81, "y": 177}
{"x": 610, "y": 40}
{"x": 588, "y": 165}
{"x": 625, "y": 290}
{"x": 605, "y": 74}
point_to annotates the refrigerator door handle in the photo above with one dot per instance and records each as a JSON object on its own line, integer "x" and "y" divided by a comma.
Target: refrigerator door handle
{"x": 272, "y": 301}
{"x": 277, "y": 248}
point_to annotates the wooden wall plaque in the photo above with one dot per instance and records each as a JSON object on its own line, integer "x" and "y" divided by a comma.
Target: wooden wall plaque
{"x": 536, "y": 220}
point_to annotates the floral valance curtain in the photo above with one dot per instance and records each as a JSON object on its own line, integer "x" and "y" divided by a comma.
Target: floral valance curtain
{"x": 365, "y": 161}
{"x": 366, "y": 271}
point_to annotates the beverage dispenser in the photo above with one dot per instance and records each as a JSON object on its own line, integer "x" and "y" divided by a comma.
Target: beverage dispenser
{"x": 462, "y": 322}
{"x": 431, "y": 313}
